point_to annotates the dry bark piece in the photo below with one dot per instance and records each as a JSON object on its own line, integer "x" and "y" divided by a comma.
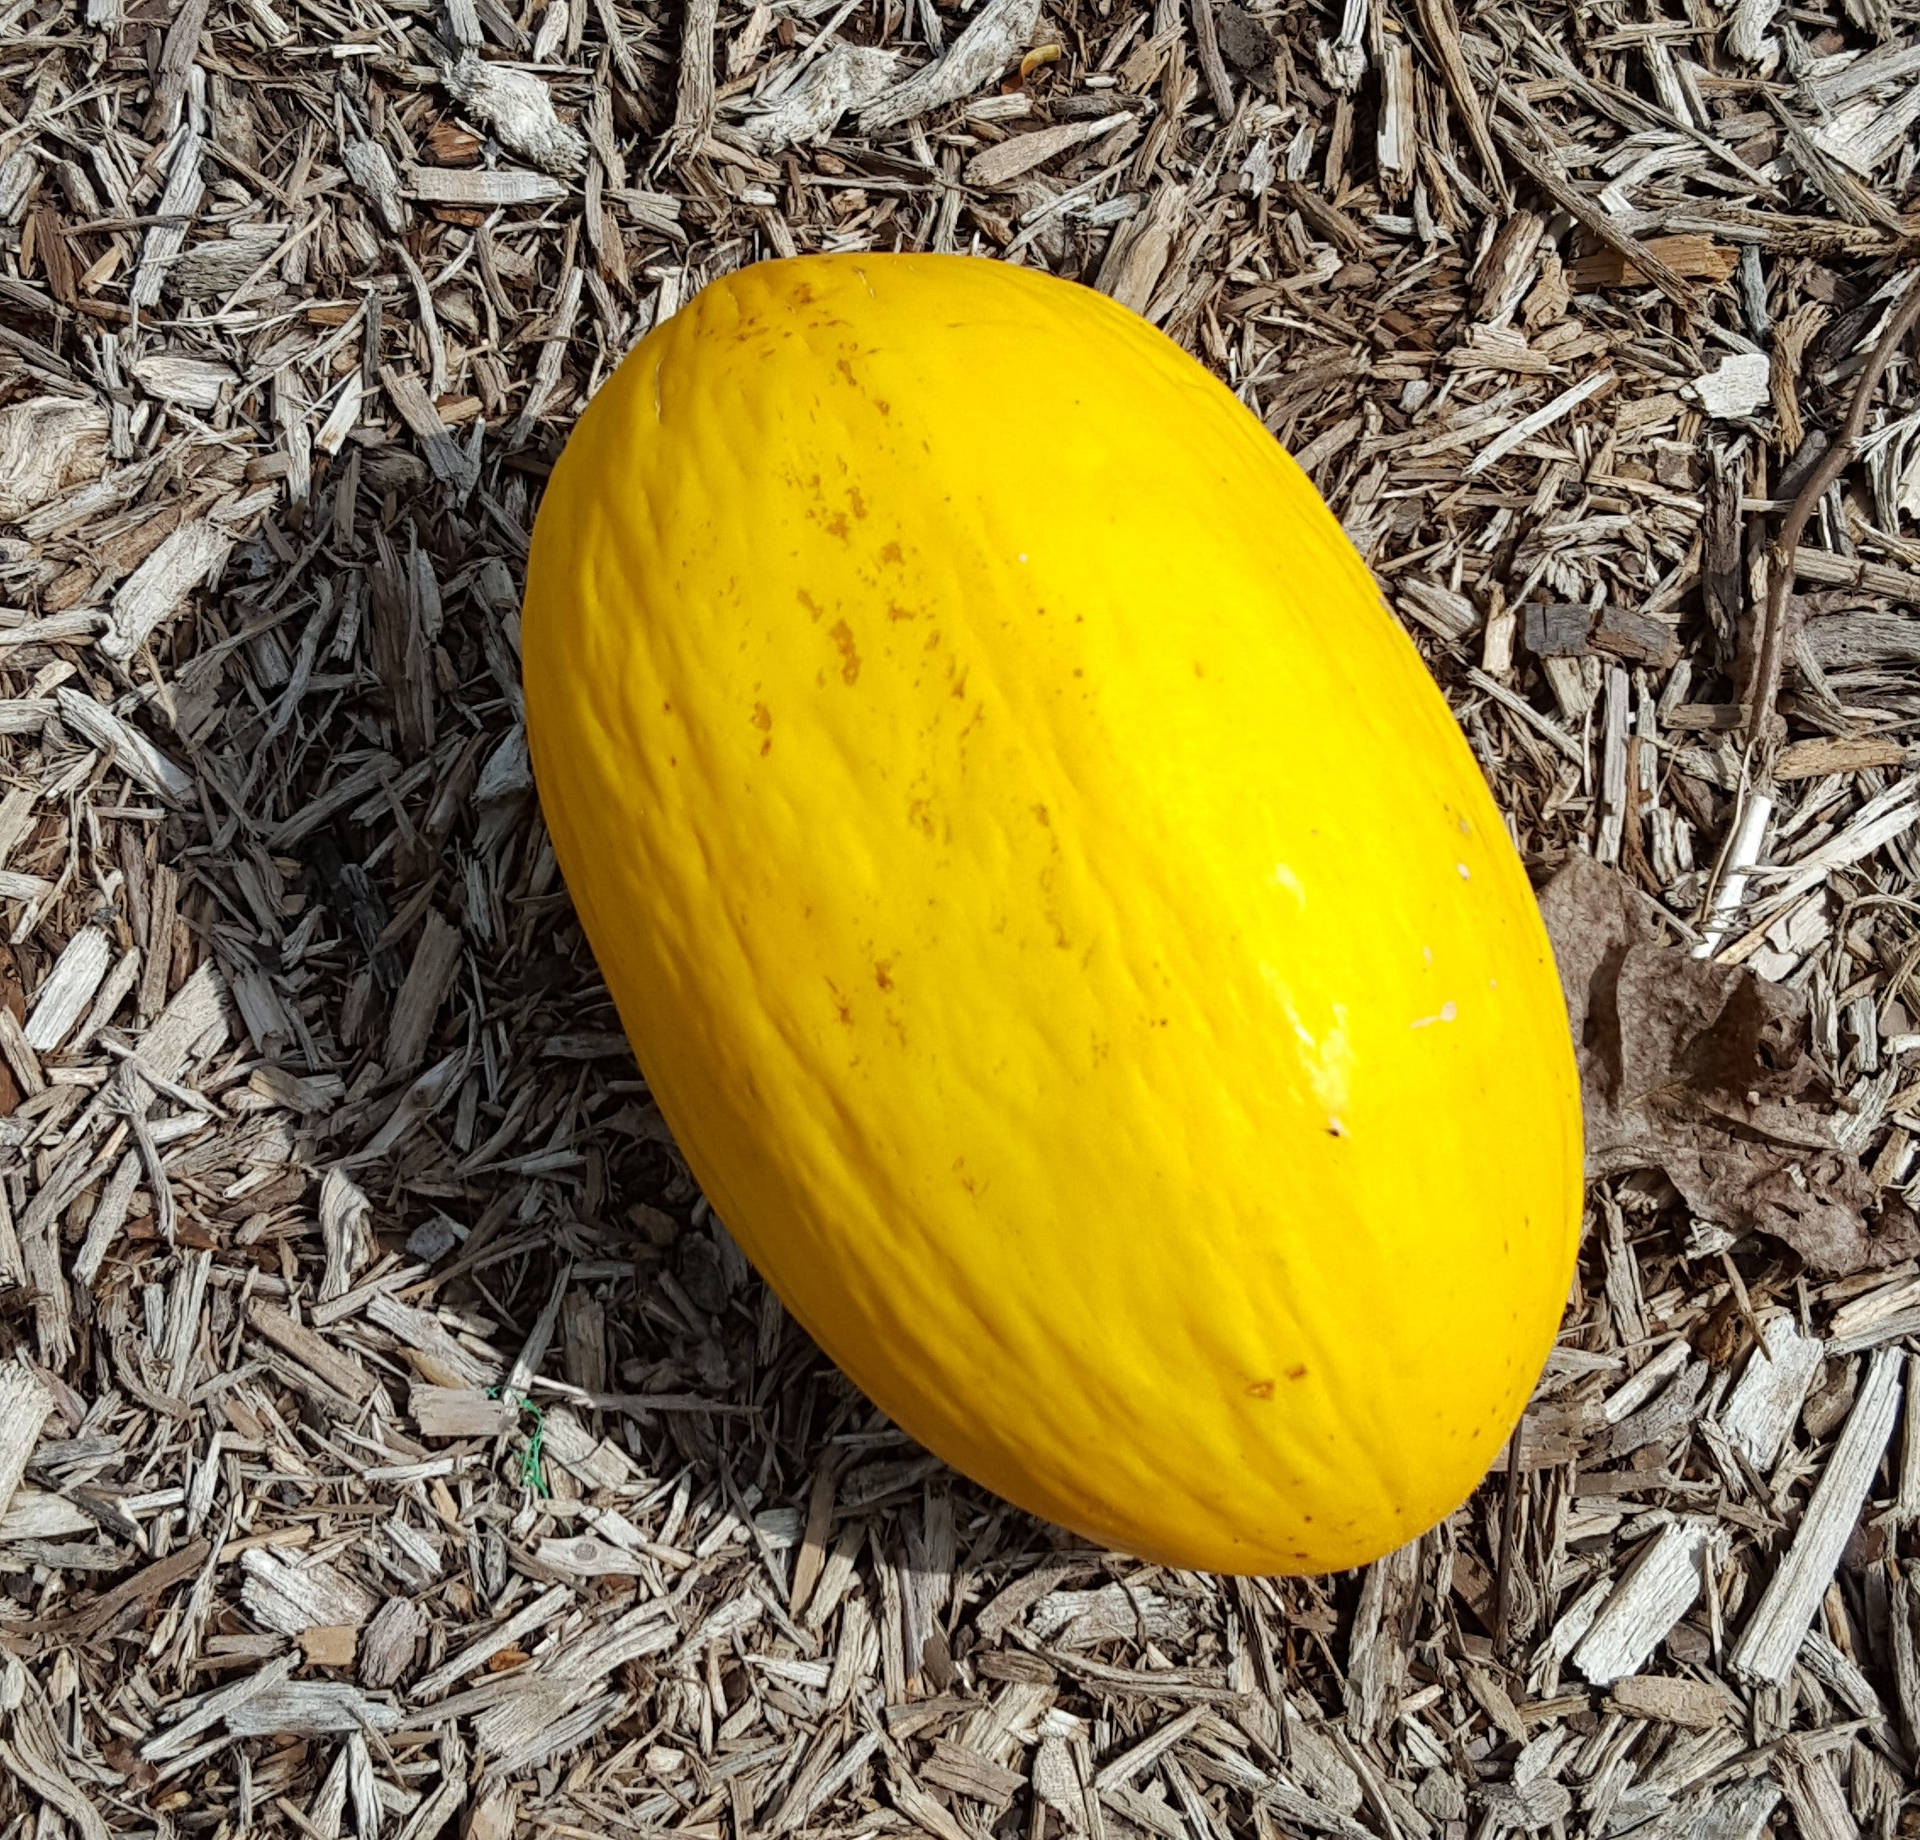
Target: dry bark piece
{"x": 1695, "y": 1704}
{"x": 47, "y": 444}
{"x": 1631, "y": 635}
{"x": 998, "y": 32}
{"x": 1556, "y": 630}
{"x": 330, "y": 1645}
{"x": 1836, "y": 754}
{"x": 847, "y": 78}
{"x": 1692, "y": 257}
{"x": 340, "y": 1371}
{"x": 1773, "y": 1634}
{"x": 517, "y": 109}
{"x": 389, "y": 1642}
{"x": 1660, "y": 1588}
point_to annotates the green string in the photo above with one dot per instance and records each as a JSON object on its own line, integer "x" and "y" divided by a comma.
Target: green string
{"x": 530, "y": 1471}
{"x": 531, "y": 1475}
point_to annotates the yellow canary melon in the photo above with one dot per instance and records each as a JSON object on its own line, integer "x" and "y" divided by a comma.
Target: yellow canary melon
{"x": 1053, "y": 907}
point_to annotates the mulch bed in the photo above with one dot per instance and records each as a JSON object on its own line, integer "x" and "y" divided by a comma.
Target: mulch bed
{"x": 391, "y": 1436}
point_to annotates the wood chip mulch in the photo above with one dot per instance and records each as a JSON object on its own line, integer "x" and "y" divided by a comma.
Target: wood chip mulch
{"x": 389, "y": 1435}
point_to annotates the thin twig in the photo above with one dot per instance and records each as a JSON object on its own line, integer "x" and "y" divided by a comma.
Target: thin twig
{"x": 1509, "y": 1518}
{"x": 1771, "y": 641}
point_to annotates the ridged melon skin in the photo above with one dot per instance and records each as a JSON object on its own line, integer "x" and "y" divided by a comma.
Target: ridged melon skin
{"x": 1054, "y": 909}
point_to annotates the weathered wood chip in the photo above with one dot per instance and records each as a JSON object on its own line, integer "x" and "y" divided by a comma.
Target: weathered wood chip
{"x": 69, "y": 989}
{"x": 1826, "y": 754}
{"x": 1650, "y": 1598}
{"x": 1766, "y": 1399}
{"x": 329, "y": 1645}
{"x": 1692, "y": 257}
{"x": 339, "y": 1370}
{"x": 93, "y": 721}
{"x": 517, "y": 109}
{"x": 436, "y": 961}
{"x": 292, "y": 1595}
{"x": 485, "y": 190}
{"x": 191, "y": 556}
{"x": 1022, "y": 153}
{"x": 459, "y": 1411}
{"x": 24, "y": 1408}
{"x": 1773, "y": 1634}
{"x": 1696, "y": 1704}
{"x": 389, "y": 1642}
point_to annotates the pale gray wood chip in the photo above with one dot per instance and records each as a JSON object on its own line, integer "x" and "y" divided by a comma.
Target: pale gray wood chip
{"x": 371, "y": 168}
{"x": 346, "y": 1228}
{"x": 33, "y": 1759}
{"x": 189, "y": 557}
{"x": 173, "y": 213}
{"x": 111, "y": 994}
{"x": 587, "y": 1557}
{"x": 424, "y": 1333}
{"x": 178, "y": 377}
{"x": 1004, "y": 162}
{"x": 1813, "y": 1791}
{"x": 481, "y": 189}
{"x": 40, "y": 1514}
{"x": 1143, "y": 1755}
{"x": 310, "y": 1709}
{"x": 24, "y": 1407}
{"x": 69, "y": 988}
{"x": 25, "y": 715}
{"x": 292, "y": 1594}
{"x": 460, "y": 1412}
{"x": 1696, "y": 1704}
{"x": 1774, "y": 1632}
{"x": 809, "y": 109}
{"x": 1906, "y": 1506}
{"x": 999, "y": 32}
{"x": 1643, "y": 1607}
{"x": 409, "y": 397}
{"x": 535, "y": 1615}
{"x": 199, "y": 1015}
{"x": 1378, "y": 1645}
{"x": 389, "y": 1642}
{"x": 1747, "y": 36}
{"x": 191, "y": 1717}
{"x": 48, "y": 444}
{"x": 517, "y": 109}
{"x": 437, "y": 1809}
{"x": 533, "y": 1352}
{"x": 546, "y": 370}
{"x": 177, "y": 57}
{"x": 562, "y": 1735}
{"x": 1767, "y": 1398}
{"x": 97, "y": 724}
{"x": 108, "y": 1217}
